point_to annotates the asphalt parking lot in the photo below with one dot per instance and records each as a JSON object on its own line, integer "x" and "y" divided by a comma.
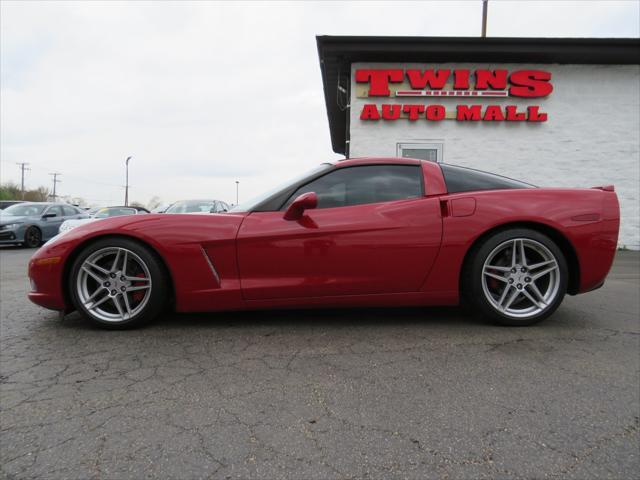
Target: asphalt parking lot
{"x": 404, "y": 393}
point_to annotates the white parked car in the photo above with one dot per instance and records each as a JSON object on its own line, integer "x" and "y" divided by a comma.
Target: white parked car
{"x": 198, "y": 206}
{"x": 105, "y": 212}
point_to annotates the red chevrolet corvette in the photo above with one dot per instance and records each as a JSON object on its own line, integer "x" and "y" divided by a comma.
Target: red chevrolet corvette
{"x": 360, "y": 232}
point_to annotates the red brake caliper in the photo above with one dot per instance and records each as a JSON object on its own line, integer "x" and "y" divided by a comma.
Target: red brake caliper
{"x": 138, "y": 295}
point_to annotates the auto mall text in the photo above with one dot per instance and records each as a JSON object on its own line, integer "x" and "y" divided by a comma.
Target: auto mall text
{"x": 450, "y": 84}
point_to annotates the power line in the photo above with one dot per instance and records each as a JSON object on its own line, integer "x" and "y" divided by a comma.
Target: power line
{"x": 23, "y": 167}
{"x": 91, "y": 181}
{"x": 55, "y": 180}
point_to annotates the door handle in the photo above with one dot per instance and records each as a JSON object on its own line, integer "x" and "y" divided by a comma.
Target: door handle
{"x": 444, "y": 208}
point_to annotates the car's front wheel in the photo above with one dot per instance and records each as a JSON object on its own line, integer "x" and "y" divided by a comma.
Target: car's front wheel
{"x": 517, "y": 277}
{"x": 32, "y": 237}
{"x": 118, "y": 283}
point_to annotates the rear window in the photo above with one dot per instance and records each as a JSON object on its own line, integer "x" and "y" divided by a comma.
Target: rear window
{"x": 461, "y": 179}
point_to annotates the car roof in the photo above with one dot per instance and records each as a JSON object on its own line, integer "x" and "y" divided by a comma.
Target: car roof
{"x": 198, "y": 200}
{"x": 350, "y": 162}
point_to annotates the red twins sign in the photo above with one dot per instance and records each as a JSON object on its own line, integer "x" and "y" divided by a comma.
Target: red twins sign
{"x": 464, "y": 84}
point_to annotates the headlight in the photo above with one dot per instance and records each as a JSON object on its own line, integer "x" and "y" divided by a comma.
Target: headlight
{"x": 66, "y": 228}
{"x": 10, "y": 226}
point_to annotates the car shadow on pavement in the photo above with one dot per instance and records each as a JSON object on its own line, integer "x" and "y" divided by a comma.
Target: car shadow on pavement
{"x": 299, "y": 318}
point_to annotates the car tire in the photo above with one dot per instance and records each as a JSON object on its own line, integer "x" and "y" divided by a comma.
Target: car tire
{"x": 32, "y": 237}
{"x": 516, "y": 289}
{"x": 118, "y": 283}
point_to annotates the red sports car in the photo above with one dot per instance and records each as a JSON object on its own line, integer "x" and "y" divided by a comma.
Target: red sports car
{"x": 359, "y": 232}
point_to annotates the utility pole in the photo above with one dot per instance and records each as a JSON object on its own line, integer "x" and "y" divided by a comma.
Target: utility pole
{"x": 126, "y": 187}
{"x": 23, "y": 167}
{"x": 237, "y": 190}
{"x": 55, "y": 180}
{"x": 485, "y": 7}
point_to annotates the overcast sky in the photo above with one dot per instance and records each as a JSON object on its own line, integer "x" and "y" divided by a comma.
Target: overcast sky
{"x": 204, "y": 94}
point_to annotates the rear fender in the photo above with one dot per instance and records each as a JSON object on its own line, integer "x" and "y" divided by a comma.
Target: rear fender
{"x": 587, "y": 218}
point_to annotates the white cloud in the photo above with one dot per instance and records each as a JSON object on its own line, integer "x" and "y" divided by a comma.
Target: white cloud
{"x": 202, "y": 94}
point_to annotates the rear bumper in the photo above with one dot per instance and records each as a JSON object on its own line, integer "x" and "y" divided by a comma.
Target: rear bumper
{"x": 596, "y": 244}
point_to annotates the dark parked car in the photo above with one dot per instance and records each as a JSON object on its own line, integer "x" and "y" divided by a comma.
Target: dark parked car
{"x": 31, "y": 223}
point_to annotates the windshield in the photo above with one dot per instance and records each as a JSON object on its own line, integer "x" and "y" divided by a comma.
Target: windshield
{"x": 24, "y": 210}
{"x": 191, "y": 206}
{"x": 251, "y": 204}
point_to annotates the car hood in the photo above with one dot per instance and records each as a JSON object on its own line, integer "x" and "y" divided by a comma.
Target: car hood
{"x": 8, "y": 219}
{"x": 157, "y": 229}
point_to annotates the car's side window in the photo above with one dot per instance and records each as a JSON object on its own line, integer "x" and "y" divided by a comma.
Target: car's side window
{"x": 69, "y": 211}
{"x": 364, "y": 184}
{"x": 54, "y": 209}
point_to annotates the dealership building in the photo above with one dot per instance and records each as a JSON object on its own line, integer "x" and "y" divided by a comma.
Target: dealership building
{"x": 552, "y": 112}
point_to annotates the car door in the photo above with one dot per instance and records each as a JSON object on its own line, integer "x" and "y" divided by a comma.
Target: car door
{"x": 374, "y": 231}
{"x": 51, "y": 225}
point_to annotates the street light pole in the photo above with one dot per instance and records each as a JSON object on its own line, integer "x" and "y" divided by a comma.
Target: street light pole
{"x": 237, "y": 189}
{"x": 485, "y": 7}
{"x": 126, "y": 188}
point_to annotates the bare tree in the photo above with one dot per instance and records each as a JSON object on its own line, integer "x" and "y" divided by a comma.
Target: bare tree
{"x": 154, "y": 203}
{"x": 40, "y": 194}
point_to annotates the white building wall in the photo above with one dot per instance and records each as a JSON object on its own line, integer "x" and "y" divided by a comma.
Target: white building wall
{"x": 592, "y": 136}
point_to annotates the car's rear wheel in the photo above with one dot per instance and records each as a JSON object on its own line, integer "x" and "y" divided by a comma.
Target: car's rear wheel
{"x": 517, "y": 277}
{"x": 118, "y": 283}
{"x": 32, "y": 237}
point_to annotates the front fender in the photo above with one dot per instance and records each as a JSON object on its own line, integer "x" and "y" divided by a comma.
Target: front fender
{"x": 189, "y": 245}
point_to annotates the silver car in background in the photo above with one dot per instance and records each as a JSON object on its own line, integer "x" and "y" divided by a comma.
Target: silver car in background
{"x": 105, "y": 212}
{"x": 31, "y": 223}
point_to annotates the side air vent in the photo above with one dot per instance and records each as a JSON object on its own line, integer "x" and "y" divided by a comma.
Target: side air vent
{"x": 216, "y": 276}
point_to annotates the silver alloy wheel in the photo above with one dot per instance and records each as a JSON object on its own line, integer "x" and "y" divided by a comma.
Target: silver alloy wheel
{"x": 520, "y": 278}
{"x": 114, "y": 284}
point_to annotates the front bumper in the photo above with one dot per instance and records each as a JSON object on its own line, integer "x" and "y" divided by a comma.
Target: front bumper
{"x": 46, "y": 300}
{"x": 11, "y": 236}
{"x": 46, "y": 282}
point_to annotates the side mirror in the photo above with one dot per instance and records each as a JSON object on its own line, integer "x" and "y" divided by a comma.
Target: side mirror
{"x": 49, "y": 215}
{"x": 306, "y": 201}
